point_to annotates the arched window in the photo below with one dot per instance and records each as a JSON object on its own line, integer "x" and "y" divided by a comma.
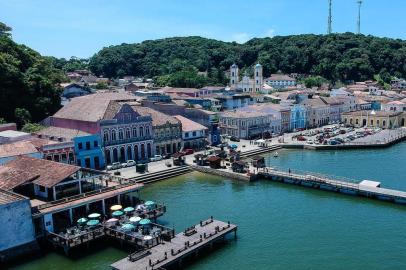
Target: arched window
{"x": 106, "y": 136}
{"x": 120, "y": 134}
{"x": 128, "y": 133}
{"x": 147, "y": 131}
{"x": 113, "y": 135}
{"x": 141, "y": 132}
{"x": 384, "y": 123}
{"x": 134, "y": 132}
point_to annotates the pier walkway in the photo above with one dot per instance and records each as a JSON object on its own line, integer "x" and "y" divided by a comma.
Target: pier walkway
{"x": 329, "y": 184}
{"x": 189, "y": 242}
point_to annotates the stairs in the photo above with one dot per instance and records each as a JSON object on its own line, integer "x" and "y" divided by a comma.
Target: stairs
{"x": 161, "y": 175}
{"x": 259, "y": 151}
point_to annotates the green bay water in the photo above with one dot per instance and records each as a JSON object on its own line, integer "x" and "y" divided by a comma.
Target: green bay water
{"x": 282, "y": 226}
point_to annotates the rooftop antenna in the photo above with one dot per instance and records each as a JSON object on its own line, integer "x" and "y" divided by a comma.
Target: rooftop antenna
{"x": 359, "y": 17}
{"x": 329, "y": 27}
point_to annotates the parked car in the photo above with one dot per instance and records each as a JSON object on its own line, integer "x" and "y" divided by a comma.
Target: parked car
{"x": 234, "y": 139}
{"x": 113, "y": 166}
{"x": 156, "y": 158}
{"x": 301, "y": 138}
{"x": 131, "y": 163}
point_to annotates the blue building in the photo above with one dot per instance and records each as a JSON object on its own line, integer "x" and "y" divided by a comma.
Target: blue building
{"x": 297, "y": 116}
{"x": 88, "y": 152}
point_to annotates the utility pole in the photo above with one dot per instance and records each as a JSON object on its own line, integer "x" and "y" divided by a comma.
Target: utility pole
{"x": 329, "y": 26}
{"x": 359, "y": 17}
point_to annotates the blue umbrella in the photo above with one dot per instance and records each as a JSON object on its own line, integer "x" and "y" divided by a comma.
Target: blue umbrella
{"x": 149, "y": 203}
{"x": 145, "y": 221}
{"x": 233, "y": 146}
{"x": 128, "y": 227}
{"x": 129, "y": 209}
{"x": 92, "y": 222}
{"x": 82, "y": 221}
{"x": 117, "y": 213}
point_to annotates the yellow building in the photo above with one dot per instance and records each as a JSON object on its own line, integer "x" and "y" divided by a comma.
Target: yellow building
{"x": 381, "y": 119}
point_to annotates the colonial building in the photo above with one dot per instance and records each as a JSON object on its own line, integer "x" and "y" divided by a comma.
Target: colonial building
{"x": 381, "y": 119}
{"x": 126, "y": 135}
{"x": 280, "y": 81}
{"x": 317, "y": 112}
{"x": 245, "y": 125}
{"x": 274, "y": 111}
{"x": 247, "y": 84}
{"x": 167, "y": 130}
{"x": 298, "y": 116}
{"x": 193, "y": 134}
{"x": 394, "y": 106}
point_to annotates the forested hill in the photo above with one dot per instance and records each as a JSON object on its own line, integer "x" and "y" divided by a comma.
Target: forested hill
{"x": 29, "y": 90}
{"x": 336, "y": 57}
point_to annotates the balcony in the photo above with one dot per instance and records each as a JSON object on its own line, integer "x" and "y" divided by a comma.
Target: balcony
{"x": 130, "y": 140}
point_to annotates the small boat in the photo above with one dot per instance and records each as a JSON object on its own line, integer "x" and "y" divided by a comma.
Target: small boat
{"x": 275, "y": 155}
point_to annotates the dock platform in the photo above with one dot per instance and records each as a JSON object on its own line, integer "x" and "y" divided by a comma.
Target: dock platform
{"x": 184, "y": 244}
{"x": 329, "y": 184}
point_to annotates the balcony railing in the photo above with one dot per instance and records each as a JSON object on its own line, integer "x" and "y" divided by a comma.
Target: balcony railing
{"x": 130, "y": 140}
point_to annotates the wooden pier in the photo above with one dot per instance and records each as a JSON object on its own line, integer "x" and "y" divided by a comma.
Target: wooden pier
{"x": 184, "y": 244}
{"x": 329, "y": 184}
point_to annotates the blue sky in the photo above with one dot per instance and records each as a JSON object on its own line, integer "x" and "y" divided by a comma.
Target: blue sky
{"x": 65, "y": 28}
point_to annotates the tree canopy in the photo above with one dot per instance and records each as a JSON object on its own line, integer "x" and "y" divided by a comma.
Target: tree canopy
{"x": 28, "y": 83}
{"x": 336, "y": 57}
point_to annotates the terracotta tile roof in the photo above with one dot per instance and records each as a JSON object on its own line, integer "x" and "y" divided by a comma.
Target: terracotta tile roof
{"x": 90, "y": 108}
{"x": 189, "y": 125}
{"x": 43, "y": 172}
{"x": 9, "y": 197}
{"x": 179, "y": 90}
{"x": 59, "y": 132}
{"x": 158, "y": 118}
{"x": 244, "y": 114}
{"x": 279, "y": 77}
{"x": 17, "y": 148}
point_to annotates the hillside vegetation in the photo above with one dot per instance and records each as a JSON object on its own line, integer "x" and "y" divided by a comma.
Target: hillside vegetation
{"x": 336, "y": 57}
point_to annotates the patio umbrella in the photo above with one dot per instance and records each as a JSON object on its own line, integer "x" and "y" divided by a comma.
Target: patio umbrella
{"x": 94, "y": 215}
{"x": 149, "y": 203}
{"x": 82, "y": 221}
{"x": 116, "y": 207}
{"x": 233, "y": 146}
{"x": 112, "y": 220}
{"x": 129, "y": 209}
{"x": 145, "y": 221}
{"x": 128, "y": 227}
{"x": 92, "y": 222}
{"x": 135, "y": 219}
{"x": 117, "y": 213}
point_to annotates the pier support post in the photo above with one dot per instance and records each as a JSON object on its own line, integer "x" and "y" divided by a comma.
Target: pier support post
{"x": 104, "y": 207}
{"x": 118, "y": 199}
{"x": 71, "y": 215}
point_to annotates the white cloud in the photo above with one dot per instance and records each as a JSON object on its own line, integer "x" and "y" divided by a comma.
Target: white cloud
{"x": 270, "y": 33}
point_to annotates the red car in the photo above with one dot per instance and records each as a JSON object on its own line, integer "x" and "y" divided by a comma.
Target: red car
{"x": 188, "y": 151}
{"x": 301, "y": 138}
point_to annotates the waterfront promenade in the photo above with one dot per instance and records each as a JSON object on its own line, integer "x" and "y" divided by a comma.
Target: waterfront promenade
{"x": 189, "y": 242}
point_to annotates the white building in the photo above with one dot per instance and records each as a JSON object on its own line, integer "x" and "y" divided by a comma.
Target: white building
{"x": 193, "y": 134}
{"x": 247, "y": 84}
{"x": 280, "y": 81}
{"x": 394, "y": 106}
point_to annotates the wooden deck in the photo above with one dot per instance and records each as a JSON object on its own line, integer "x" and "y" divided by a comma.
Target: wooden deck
{"x": 327, "y": 183}
{"x": 183, "y": 244}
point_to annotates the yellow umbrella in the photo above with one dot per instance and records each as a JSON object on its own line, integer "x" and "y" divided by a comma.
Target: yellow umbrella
{"x": 116, "y": 207}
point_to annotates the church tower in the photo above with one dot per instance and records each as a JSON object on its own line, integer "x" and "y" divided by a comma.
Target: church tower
{"x": 258, "y": 78}
{"x": 234, "y": 75}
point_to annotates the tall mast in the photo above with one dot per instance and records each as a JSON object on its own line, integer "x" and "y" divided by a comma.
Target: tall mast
{"x": 330, "y": 19}
{"x": 359, "y": 17}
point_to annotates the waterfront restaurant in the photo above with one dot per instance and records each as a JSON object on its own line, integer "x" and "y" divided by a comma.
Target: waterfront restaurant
{"x": 376, "y": 119}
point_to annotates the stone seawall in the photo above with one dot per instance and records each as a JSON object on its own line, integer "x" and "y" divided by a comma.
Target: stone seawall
{"x": 233, "y": 175}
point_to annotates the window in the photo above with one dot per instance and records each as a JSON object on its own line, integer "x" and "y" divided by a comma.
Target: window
{"x": 41, "y": 188}
{"x": 95, "y": 143}
{"x": 120, "y": 134}
{"x": 141, "y": 132}
{"x": 194, "y": 133}
{"x": 106, "y": 136}
{"x": 147, "y": 131}
{"x": 128, "y": 133}
{"x": 113, "y": 135}
{"x": 80, "y": 146}
{"x": 87, "y": 145}
{"x": 134, "y": 132}
{"x": 186, "y": 134}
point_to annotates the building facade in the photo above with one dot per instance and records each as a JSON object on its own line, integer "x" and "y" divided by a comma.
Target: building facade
{"x": 247, "y": 84}
{"x": 126, "y": 135}
{"x": 88, "y": 152}
{"x": 381, "y": 119}
{"x": 245, "y": 125}
{"x": 193, "y": 133}
{"x": 298, "y": 115}
{"x": 280, "y": 81}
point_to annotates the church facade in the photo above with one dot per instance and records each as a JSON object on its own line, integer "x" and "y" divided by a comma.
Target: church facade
{"x": 247, "y": 84}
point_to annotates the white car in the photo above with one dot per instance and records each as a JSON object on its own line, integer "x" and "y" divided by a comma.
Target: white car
{"x": 131, "y": 163}
{"x": 156, "y": 158}
{"x": 114, "y": 166}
